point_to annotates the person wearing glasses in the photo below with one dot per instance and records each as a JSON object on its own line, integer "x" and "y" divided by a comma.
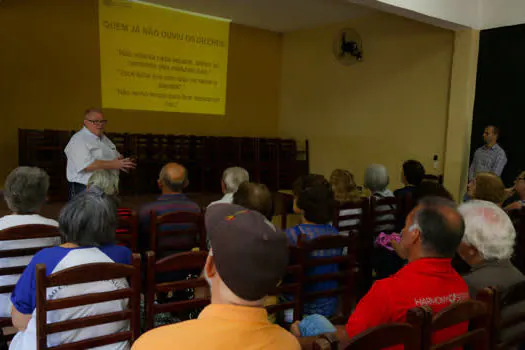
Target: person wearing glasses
{"x": 89, "y": 150}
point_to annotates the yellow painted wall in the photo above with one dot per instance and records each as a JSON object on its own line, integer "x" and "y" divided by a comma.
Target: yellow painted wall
{"x": 391, "y": 107}
{"x": 50, "y": 73}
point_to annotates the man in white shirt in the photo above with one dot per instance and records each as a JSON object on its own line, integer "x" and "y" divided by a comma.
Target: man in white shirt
{"x": 231, "y": 179}
{"x": 89, "y": 150}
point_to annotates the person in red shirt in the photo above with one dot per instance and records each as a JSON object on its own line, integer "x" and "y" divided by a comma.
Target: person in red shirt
{"x": 432, "y": 233}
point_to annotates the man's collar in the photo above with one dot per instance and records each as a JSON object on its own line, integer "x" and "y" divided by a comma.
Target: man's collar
{"x": 493, "y": 262}
{"x": 88, "y": 132}
{"x": 491, "y": 147}
{"x": 235, "y": 313}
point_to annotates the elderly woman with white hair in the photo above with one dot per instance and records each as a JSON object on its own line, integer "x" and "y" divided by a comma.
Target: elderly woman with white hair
{"x": 487, "y": 247}
{"x": 232, "y": 178}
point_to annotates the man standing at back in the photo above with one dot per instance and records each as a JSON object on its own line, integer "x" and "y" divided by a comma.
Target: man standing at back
{"x": 89, "y": 150}
{"x": 173, "y": 178}
{"x": 248, "y": 257}
{"x": 489, "y": 158}
{"x": 429, "y": 240}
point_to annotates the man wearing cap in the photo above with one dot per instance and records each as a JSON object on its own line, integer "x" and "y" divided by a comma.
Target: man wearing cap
{"x": 247, "y": 259}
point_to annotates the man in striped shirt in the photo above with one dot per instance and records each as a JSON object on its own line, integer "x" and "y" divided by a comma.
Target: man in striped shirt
{"x": 490, "y": 158}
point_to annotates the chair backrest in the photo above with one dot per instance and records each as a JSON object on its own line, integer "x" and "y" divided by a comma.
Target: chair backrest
{"x": 84, "y": 274}
{"x": 173, "y": 263}
{"x": 475, "y": 312}
{"x": 383, "y": 213}
{"x": 346, "y": 272}
{"x": 507, "y": 303}
{"x": 193, "y": 227}
{"x": 351, "y": 216}
{"x": 282, "y": 206}
{"x": 326, "y": 341}
{"x": 407, "y": 334}
{"x": 290, "y": 285}
{"x": 127, "y": 230}
{"x": 19, "y": 233}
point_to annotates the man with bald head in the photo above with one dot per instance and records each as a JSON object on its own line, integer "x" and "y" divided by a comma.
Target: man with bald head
{"x": 173, "y": 178}
{"x": 89, "y": 150}
{"x": 432, "y": 233}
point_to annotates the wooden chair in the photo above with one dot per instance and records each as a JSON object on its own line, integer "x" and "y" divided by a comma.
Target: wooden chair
{"x": 19, "y": 233}
{"x": 356, "y": 212}
{"x": 193, "y": 228}
{"x": 345, "y": 277}
{"x": 127, "y": 230}
{"x": 477, "y": 313}
{"x": 292, "y": 288}
{"x": 172, "y": 263}
{"x": 282, "y": 207}
{"x": 84, "y": 274}
{"x": 506, "y": 303}
{"x": 327, "y": 341}
{"x": 386, "y": 217}
{"x": 407, "y": 334}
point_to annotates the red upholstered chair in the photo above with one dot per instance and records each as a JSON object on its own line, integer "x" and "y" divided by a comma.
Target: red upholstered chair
{"x": 84, "y": 274}
{"x": 173, "y": 263}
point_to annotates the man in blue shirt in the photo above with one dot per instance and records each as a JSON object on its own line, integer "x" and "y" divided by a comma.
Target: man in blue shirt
{"x": 489, "y": 158}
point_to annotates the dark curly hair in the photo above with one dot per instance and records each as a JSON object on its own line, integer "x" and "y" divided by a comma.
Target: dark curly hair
{"x": 316, "y": 199}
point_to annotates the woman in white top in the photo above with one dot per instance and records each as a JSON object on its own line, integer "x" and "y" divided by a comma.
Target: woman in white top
{"x": 25, "y": 191}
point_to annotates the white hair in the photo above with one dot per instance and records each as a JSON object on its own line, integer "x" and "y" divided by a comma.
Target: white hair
{"x": 106, "y": 180}
{"x": 376, "y": 177}
{"x": 489, "y": 229}
{"x": 233, "y": 177}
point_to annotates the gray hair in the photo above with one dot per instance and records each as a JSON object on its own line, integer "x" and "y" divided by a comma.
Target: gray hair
{"x": 25, "y": 189}
{"x": 91, "y": 111}
{"x": 89, "y": 219}
{"x": 376, "y": 177}
{"x": 489, "y": 229}
{"x": 106, "y": 180}
{"x": 233, "y": 177}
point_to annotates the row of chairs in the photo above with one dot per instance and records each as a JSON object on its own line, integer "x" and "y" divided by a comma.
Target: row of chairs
{"x": 484, "y": 315}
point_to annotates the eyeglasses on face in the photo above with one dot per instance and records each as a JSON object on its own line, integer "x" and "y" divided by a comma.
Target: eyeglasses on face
{"x": 97, "y": 122}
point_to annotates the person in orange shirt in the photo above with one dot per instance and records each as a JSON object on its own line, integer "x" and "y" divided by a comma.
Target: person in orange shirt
{"x": 247, "y": 258}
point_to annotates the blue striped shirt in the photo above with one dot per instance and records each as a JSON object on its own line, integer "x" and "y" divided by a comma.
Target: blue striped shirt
{"x": 323, "y": 306}
{"x": 488, "y": 160}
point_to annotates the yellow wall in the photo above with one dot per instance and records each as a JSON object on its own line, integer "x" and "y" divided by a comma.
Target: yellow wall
{"x": 391, "y": 107}
{"x": 50, "y": 73}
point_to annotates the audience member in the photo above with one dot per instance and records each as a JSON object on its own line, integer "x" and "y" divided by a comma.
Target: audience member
{"x": 376, "y": 180}
{"x": 346, "y": 191}
{"x": 516, "y": 199}
{"x": 430, "y": 238}
{"x": 25, "y": 192}
{"x": 487, "y": 187}
{"x": 487, "y": 247}
{"x": 315, "y": 204}
{"x": 173, "y": 178}
{"x": 431, "y": 189}
{"x": 106, "y": 180}
{"x": 490, "y": 157}
{"x": 247, "y": 259}
{"x": 231, "y": 179}
{"x": 88, "y": 224}
{"x": 255, "y": 197}
{"x": 412, "y": 176}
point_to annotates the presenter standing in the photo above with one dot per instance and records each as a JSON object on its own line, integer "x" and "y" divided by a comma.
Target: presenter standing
{"x": 89, "y": 150}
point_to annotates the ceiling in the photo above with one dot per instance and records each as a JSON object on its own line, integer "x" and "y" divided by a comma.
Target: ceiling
{"x": 274, "y": 15}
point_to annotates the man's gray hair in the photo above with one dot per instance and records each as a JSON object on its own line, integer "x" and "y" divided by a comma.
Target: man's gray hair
{"x": 89, "y": 219}
{"x": 106, "y": 180}
{"x": 233, "y": 177}
{"x": 489, "y": 229}
{"x": 25, "y": 189}
{"x": 376, "y": 178}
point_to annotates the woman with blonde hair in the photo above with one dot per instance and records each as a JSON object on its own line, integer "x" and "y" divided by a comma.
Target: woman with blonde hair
{"x": 345, "y": 191}
{"x": 344, "y": 187}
